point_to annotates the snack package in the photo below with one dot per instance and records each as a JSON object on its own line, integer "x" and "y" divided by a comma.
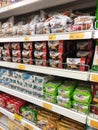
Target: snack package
{"x": 27, "y": 61}
{"x": 81, "y": 107}
{"x": 16, "y": 46}
{"x": 51, "y": 87}
{"x": 27, "y": 54}
{"x": 46, "y": 120}
{"x": 14, "y": 125}
{"x": 56, "y": 56}
{"x": 76, "y": 63}
{"x": 68, "y": 124}
{"x": 28, "y": 46}
{"x": 82, "y": 94}
{"x": 16, "y": 60}
{"x": 50, "y": 98}
{"x": 6, "y": 53}
{"x": 55, "y": 63}
{"x": 65, "y": 102}
{"x": 16, "y": 53}
{"x": 14, "y": 105}
{"x": 40, "y": 55}
{"x": 85, "y": 45}
{"x": 66, "y": 89}
{"x": 86, "y": 21}
{"x": 40, "y": 62}
{"x": 57, "y": 46}
{"x": 40, "y": 46}
{"x": 7, "y": 46}
{"x": 4, "y": 58}
{"x": 29, "y": 113}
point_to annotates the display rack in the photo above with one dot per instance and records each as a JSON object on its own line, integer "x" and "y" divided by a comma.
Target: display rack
{"x": 28, "y": 6}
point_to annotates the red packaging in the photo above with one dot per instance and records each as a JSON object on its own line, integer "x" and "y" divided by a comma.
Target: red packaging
{"x": 27, "y": 54}
{"x": 40, "y": 55}
{"x": 56, "y": 56}
{"x": 57, "y": 46}
{"x": 28, "y": 46}
{"x": 27, "y": 61}
{"x": 14, "y": 106}
{"x": 16, "y": 60}
{"x": 41, "y": 46}
{"x": 7, "y": 46}
{"x": 3, "y": 100}
{"x": 6, "y": 53}
{"x": 85, "y": 45}
{"x": 40, "y": 62}
{"x": 16, "y": 53}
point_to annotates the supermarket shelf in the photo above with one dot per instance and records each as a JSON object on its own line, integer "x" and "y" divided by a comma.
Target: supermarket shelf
{"x": 94, "y": 77}
{"x": 55, "y": 108}
{"x": 48, "y": 70}
{"x": 23, "y": 121}
{"x": 92, "y": 122}
{"x": 26, "y": 6}
{"x": 45, "y": 37}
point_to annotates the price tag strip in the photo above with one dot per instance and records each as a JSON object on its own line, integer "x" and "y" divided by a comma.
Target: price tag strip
{"x": 52, "y": 37}
{"x": 78, "y": 35}
{"x": 94, "y": 124}
{"x": 27, "y": 38}
{"x": 47, "y": 106}
{"x": 17, "y": 117}
{"x": 21, "y": 67}
{"x": 94, "y": 77}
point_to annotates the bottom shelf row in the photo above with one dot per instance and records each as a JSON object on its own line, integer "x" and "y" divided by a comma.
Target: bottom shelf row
{"x": 32, "y": 117}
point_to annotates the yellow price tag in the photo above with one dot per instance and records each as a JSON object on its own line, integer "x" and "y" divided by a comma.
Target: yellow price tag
{"x": 94, "y": 77}
{"x": 47, "y": 106}
{"x": 94, "y": 123}
{"x": 29, "y": 127}
{"x": 9, "y": 7}
{"x": 52, "y": 37}
{"x": 27, "y": 38}
{"x": 17, "y": 117}
{"x": 78, "y": 35}
{"x": 21, "y": 67}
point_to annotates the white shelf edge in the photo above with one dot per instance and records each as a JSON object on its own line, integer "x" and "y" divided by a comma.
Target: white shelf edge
{"x": 11, "y": 116}
{"x": 48, "y": 70}
{"x": 45, "y": 37}
{"x": 88, "y": 121}
{"x": 55, "y": 108}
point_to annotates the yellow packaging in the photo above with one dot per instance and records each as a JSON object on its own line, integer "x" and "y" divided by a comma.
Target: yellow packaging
{"x": 14, "y": 126}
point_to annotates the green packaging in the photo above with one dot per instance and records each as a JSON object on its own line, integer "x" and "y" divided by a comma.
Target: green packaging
{"x": 66, "y": 89}
{"x": 81, "y": 107}
{"x": 50, "y": 98}
{"x": 52, "y": 87}
{"x": 65, "y": 102}
{"x": 82, "y": 94}
{"x": 30, "y": 114}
